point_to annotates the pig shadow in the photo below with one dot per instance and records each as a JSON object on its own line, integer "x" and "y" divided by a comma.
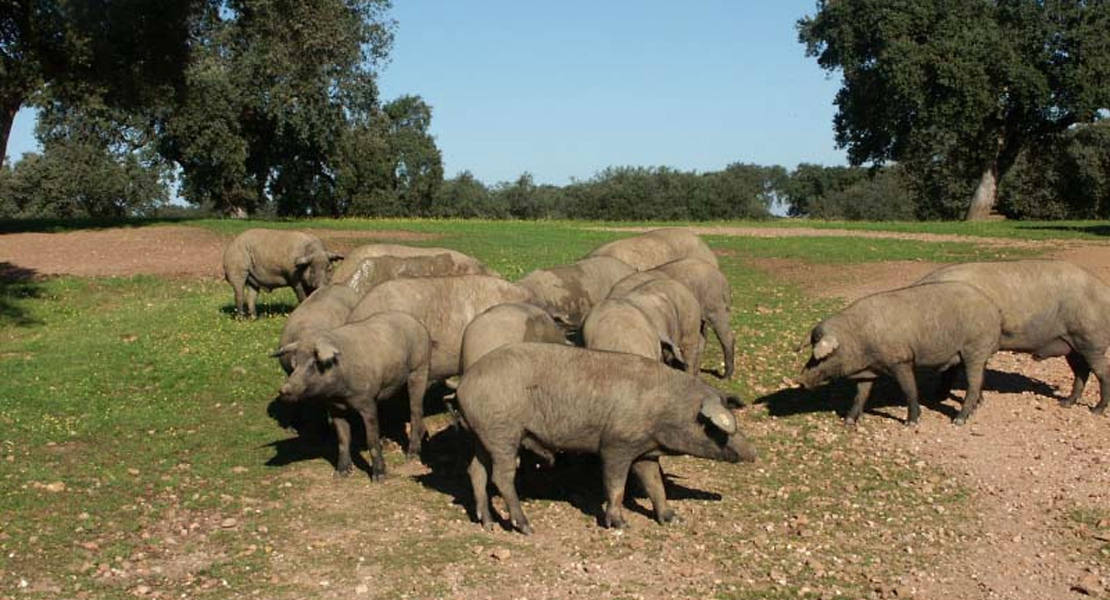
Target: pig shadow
{"x": 886, "y": 397}
{"x": 315, "y": 437}
{"x": 574, "y": 479}
{"x": 277, "y": 308}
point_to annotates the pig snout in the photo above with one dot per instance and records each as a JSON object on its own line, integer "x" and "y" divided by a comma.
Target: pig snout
{"x": 290, "y": 392}
{"x": 745, "y": 451}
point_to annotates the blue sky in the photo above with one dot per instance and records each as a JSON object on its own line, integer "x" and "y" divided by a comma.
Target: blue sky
{"x": 564, "y": 89}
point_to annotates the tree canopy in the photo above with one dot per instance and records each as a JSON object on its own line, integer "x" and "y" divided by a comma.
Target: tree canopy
{"x": 958, "y": 88}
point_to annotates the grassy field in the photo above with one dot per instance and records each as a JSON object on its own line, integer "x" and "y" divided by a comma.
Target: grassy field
{"x": 137, "y": 457}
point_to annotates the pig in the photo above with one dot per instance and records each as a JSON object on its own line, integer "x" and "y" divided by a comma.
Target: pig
{"x": 628, "y": 409}
{"x": 935, "y": 325}
{"x": 265, "y": 259}
{"x": 373, "y": 271}
{"x": 1049, "y": 308}
{"x": 671, "y": 308}
{"x": 445, "y": 305}
{"x": 714, "y": 294}
{"x": 326, "y": 308}
{"x": 656, "y": 247}
{"x": 459, "y": 260}
{"x": 570, "y": 291}
{"x": 504, "y": 324}
{"x": 352, "y": 367}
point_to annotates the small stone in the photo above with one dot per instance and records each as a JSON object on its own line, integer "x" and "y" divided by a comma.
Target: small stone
{"x": 501, "y": 554}
{"x": 361, "y": 589}
{"x": 55, "y": 487}
{"x": 142, "y": 590}
{"x": 228, "y": 523}
{"x": 239, "y": 470}
{"x": 90, "y": 546}
{"x": 133, "y": 472}
{"x": 1089, "y": 584}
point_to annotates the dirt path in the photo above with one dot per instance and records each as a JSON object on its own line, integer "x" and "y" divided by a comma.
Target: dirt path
{"x": 169, "y": 250}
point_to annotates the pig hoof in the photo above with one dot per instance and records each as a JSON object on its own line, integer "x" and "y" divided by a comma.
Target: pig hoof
{"x": 1098, "y": 410}
{"x": 412, "y": 455}
{"x": 669, "y": 516}
{"x": 959, "y": 421}
{"x": 377, "y": 475}
{"x": 616, "y": 523}
{"x": 850, "y": 422}
{"x": 342, "y": 473}
{"x": 526, "y": 529}
{"x": 1067, "y": 402}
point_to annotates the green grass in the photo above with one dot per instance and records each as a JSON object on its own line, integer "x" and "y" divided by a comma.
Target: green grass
{"x": 148, "y": 402}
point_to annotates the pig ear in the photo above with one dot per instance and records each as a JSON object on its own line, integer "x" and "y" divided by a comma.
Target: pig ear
{"x": 718, "y": 415}
{"x": 825, "y": 346}
{"x": 334, "y": 256}
{"x": 326, "y": 353}
{"x": 286, "y": 349}
{"x": 302, "y": 261}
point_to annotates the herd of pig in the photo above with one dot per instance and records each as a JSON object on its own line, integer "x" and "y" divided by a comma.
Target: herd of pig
{"x": 603, "y": 355}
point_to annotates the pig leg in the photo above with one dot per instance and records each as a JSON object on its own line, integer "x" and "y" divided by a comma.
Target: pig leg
{"x": 417, "y": 385}
{"x": 1082, "y": 371}
{"x": 863, "y": 390}
{"x": 720, "y": 323}
{"x": 504, "y": 476}
{"x": 1096, "y": 360}
{"x": 238, "y": 281}
{"x": 615, "y": 474}
{"x": 298, "y": 289}
{"x": 479, "y": 480}
{"x": 650, "y": 474}
{"x": 903, "y": 374}
{"x": 368, "y": 410}
{"x": 343, "y": 465}
{"x": 974, "y": 370}
{"x": 252, "y": 298}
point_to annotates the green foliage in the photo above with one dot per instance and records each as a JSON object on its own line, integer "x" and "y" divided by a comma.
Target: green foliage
{"x": 466, "y": 197}
{"x": 282, "y": 97}
{"x": 126, "y": 53}
{"x": 1066, "y": 179}
{"x": 90, "y": 167}
{"x": 663, "y": 193}
{"x": 956, "y": 89}
{"x": 849, "y": 193}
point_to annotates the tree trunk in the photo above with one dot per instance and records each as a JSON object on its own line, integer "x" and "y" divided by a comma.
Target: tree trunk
{"x": 7, "y": 117}
{"x": 986, "y": 194}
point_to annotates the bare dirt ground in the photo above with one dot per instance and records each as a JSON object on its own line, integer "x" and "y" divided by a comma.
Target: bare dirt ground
{"x": 1032, "y": 467}
{"x": 169, "y": 250}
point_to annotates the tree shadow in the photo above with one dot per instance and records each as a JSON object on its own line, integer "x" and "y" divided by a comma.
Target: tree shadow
{"x": 1093, "y": 229}
{"x": 17, "y": 283}
{"x": 574, "y": 479}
